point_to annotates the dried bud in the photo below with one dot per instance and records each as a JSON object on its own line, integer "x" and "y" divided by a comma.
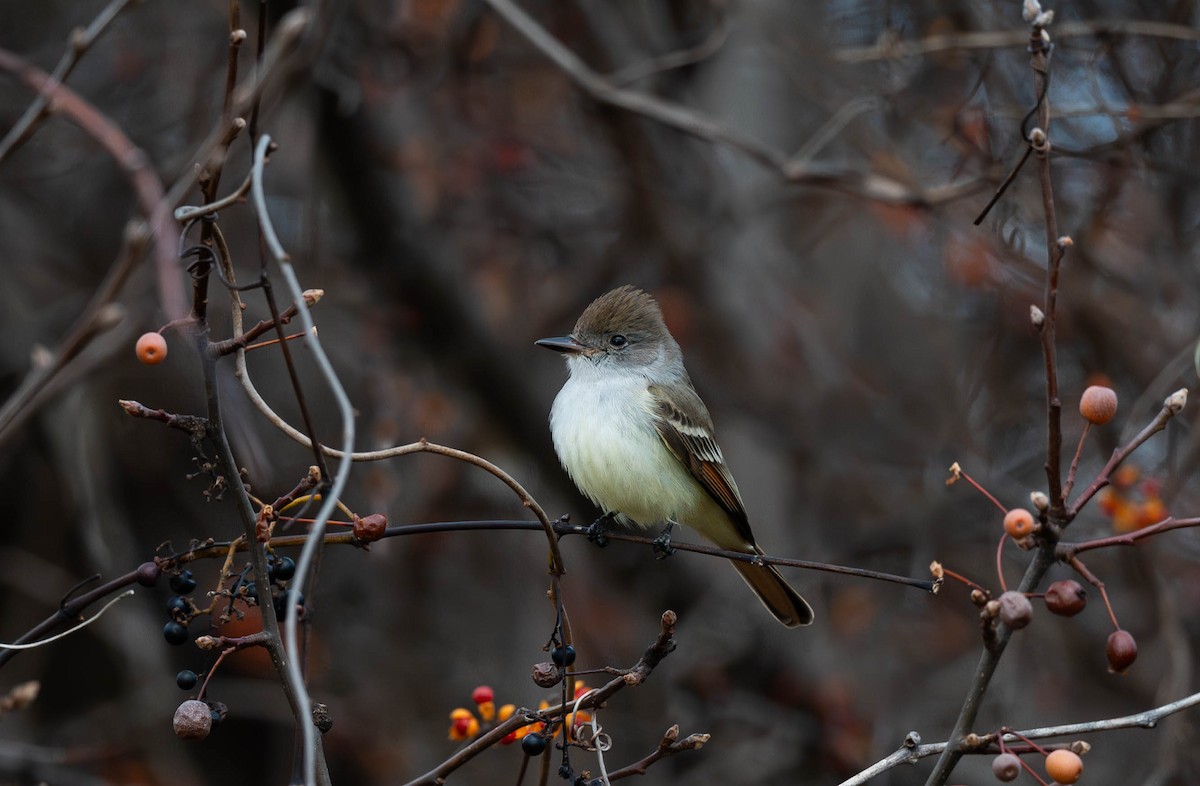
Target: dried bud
{"x": 935, "y": 569}
{"x": 148, "y": 573}
{"x": 369, "y": 529}
{"x": 193, "y": 720}
{"x": 955, "y": 474}
{"x": 1006, "y": 767}
{"x": 312, "y": 296}
{"x": 1037, "y": 317}
{"x": 992, "y": 608}
{"x": 237, "y": 37}
{"x": 979, "y": 597}
{"x": 1066, "y": 598}
{"x": 1121, "y": 651}
{"x": 1037, "y": 138}
{"x": 20, "y": 697}
{"x": 1040, "y": 501}
{"x": 912, "y": 739}
{"x": 208, "y": 642}
{"x": 1030, "y": 10}
{"x": 1081, "y": 747}
{"x": 1065, "y": 242}
{"x": 1098, "y": 405}
{"x": 546, "y": 674}
{"x": 1015, "y": 610}
{"x": 321, "y": 717}
{"x": 1176, "y": 401}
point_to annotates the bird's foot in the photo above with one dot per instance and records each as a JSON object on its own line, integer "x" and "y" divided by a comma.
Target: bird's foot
{"x": 662, "y": 544}
{"x": 595, "y": 533}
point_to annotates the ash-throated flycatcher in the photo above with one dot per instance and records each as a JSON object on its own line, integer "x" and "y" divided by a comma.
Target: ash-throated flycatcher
{"x": 637, "y": 440}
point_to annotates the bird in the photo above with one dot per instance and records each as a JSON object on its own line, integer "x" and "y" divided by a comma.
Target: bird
{"x": 638, "y": 441}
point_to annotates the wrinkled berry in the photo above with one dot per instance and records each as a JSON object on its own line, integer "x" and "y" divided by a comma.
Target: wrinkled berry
{"x": 183, "y": 583}
{"x": 193, "y": 720}
{"x": 174, "y": 633}
{"x": 186, "y": 679}
{"x": 1015, "y": 610}
{"x": 1066, "y": 598}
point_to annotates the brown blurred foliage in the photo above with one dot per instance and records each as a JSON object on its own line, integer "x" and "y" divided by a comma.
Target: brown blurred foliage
{"x": 457, "y": 198}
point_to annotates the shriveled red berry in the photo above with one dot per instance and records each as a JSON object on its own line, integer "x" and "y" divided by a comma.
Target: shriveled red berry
{"x": 1098, "y": 404}
{"x": 1064, "y": 766}
{"x": 1018, "y": 523}
{"x": 1015, "y": 610}
{"x": 369, "y": 529}
{"x": 1066, "y": 598}
{"x": 546, "y": 674}
{"x": 151, "y": 349}
{"x": 1121, "y": 651}
{"x": 1006, "y": 767}
{"x": 483, "y": 694}
{"x": 193, "y": 720}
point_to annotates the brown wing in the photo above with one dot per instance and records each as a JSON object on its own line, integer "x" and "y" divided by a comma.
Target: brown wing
{"x": 690, "y": 438}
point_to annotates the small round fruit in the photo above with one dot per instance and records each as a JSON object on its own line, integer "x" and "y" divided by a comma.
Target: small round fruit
{"x": 1064, "y": 766}
{"x": 281, "y": 603}
{"x": 563, "y": 656}
{"x": 151, "y": 349}
{"x": 483, "y": 694}
{"x": 147, "y": 574}
{"x": 186, "y": 679}
{"x": 193, "y": 720}
{"x": 1066, "y": 598}
{"x": 175, "y": 633}
{"x": 1018, "y": 523}
{"x": 1006, "y": 767}
{"x": 1121, "y": 650}
{"x": 176, "y": 605}
{"x": 1098, "y": 405}
{"x": 533, "y": 744}
{"x": 183, "y": 583}
{"x": 282, "y": 568}
{"x": 1015, "y": 610}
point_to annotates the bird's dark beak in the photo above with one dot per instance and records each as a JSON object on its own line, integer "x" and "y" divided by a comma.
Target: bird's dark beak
{"x": 566, "y": 344}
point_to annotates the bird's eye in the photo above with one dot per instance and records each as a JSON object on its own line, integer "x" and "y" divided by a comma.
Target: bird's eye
{"x": 618, "y": 340}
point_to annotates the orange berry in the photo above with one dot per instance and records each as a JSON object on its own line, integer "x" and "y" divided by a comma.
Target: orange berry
{"x": 151, "y": 349}
{"x": 1064, "y": 766}
{"x": 1018, "y": 523}
{"x": 1098, "y": 404}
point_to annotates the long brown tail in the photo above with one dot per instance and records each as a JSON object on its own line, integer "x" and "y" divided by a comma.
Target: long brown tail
{"x": 776, "y": 594}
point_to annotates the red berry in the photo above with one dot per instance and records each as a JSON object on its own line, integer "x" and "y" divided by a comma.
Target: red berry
{"x": 1098, "y": 404}
{"x": 1066, "y": 598}
{"x": 151, "y": 349}
{"x": 369, "y": 529}
{"x": 1121, "y": 651}
{"x": 483, "y": 694}
{"x": 1064, "y": 766}
{"x": 1018, "y": 523}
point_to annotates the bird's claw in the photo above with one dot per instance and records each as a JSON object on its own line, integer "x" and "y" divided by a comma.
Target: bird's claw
{"x": 662, "y": 544}
{"x": 595, "y": 533}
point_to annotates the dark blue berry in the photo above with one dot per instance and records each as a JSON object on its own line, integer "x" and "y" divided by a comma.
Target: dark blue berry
{"x": 175, "y": 633}
{"x": 533, "y": 744}
{"x": 183, "y": 583}
{"x": 186, "y": 679}
{"x": 282, "y": 602}
{"x": 252, "y": 590}
{"x": 176, "y": 605}
{"x": 282, "y": 568}
{"x": 563, "y": 656}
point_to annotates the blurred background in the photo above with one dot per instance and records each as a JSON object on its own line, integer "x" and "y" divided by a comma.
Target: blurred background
{"x": 458, "y": 197}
